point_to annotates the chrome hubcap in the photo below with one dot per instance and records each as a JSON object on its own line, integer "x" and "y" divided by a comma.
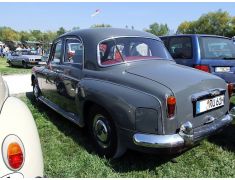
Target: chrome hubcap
{"x": 101, "y": 131}
{"x": 35, "y": 90}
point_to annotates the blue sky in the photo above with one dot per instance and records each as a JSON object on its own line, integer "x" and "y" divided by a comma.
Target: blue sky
{"x": 51, "y": 16}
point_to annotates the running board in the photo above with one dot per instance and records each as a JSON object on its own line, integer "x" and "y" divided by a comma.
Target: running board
{"x": 68, "y": 115}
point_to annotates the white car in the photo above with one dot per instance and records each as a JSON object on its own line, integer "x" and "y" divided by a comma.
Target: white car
{"x": 21, "y": 154}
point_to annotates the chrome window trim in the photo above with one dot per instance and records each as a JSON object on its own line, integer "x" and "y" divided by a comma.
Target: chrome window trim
{"x": 116, "y": 37}
{"x": 53, "y": 52}
{"x": 74, "y": 38}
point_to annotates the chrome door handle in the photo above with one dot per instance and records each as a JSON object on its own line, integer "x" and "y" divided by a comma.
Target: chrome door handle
{"x": 58, "y": 71}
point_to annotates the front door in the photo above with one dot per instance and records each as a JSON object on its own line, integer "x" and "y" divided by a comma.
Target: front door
{"x": 50, "y": 80}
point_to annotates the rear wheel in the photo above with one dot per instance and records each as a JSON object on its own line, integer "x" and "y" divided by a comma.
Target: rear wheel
{"x": 103, "y": 133}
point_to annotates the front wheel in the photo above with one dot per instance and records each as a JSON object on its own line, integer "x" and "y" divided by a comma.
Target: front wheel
{"x": 103, "y": 133}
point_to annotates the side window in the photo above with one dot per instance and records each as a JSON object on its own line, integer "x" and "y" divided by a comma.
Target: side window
{"x": 73, "y": 51}
{"x": 180, "y": 47}
{"x": 57, "y": 53}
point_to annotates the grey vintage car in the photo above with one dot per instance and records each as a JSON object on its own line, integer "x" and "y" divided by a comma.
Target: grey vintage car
{"x": 125, "y": 87}
{"x": 24, "y": 58}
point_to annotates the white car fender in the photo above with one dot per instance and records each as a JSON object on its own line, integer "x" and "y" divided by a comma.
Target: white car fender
{"x": 15, "y": 118}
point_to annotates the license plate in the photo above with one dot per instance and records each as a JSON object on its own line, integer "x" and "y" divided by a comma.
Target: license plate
{"x": 208, "y": 104}
{"x": 42, "y": 63}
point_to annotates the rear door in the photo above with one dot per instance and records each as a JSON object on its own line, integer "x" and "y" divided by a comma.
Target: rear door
{"x": 181, "y": 49}
{"x": 70, "y": 73}
{"x": 219, "y": 54}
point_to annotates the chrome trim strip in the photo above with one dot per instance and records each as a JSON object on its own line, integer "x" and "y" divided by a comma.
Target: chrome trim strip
{"x": 158, "y": 141}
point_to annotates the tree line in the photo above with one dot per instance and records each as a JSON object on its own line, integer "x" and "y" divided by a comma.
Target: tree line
{"x": 218, "y": 23}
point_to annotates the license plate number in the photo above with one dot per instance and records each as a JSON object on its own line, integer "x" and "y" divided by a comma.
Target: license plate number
{"x": 208, "y": 104}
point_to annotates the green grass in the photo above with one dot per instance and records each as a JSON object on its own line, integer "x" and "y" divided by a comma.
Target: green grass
{"x": 5, "y": 69}
{"x": 68, "y": 152}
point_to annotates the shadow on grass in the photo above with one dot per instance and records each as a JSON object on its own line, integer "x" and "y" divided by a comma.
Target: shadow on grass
{"x": 130, "y": 161}
{"x": 226, "y": 138}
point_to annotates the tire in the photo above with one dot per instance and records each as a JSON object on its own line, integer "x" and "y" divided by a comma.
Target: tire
{"x": 103, "y": 133}
{"x": 36, "y": 91}
{"x": 25, "y": 65}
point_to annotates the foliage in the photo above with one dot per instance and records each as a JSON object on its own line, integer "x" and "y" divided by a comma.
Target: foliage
{"x": 61, "y": 31}
{"x": 8, "y": 34}
{"x": 101, "y": 26}
{"x": 158, "y": 29}
{"x": 219, "y": 23}
{"x": 75, "y": 28}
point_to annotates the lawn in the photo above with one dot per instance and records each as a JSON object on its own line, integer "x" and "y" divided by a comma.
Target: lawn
{"x": 68, "y": 153}
{"x": 5, "y": 69}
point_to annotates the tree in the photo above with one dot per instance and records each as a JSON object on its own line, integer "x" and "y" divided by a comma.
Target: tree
{"x": 37, "y": 35}
{"x": 158, "y": 29}
{"x": 49, "y": 36}
{"x": 75, "y": 28}
{"x": 61, "y": 31}
{"x": 186, "y": 27}
{"x": 219, "y": 23}
{"x": 101, "y": 26}
{"x": 8, "y": 34}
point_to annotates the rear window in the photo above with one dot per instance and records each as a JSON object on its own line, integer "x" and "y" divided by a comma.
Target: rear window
{"x": 180, "y": 47}
{"x": 119, "y": 50}
{"x": 216, "y": 48}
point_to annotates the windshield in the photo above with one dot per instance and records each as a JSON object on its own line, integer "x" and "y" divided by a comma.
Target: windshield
{"x": 217, "y": 48}
{"x": 118, "y": 50}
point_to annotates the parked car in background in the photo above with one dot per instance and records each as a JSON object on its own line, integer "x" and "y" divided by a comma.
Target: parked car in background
{"x": 209, "y": 53}
{"x": 21, "y": 154}
{"x": 24, "y": 58}
{"x": 124, "y": 85}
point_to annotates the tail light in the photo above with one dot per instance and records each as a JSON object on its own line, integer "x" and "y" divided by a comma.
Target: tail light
{"x": 230, "y": 90}
{"x": 13, "y": 152}
{"x": 15, "y": 155}
{"x": 171, "y": 102}
{"x": 203, "y": 68}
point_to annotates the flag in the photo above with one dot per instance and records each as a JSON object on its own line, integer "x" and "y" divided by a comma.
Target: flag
{"x": 97, "y": 11}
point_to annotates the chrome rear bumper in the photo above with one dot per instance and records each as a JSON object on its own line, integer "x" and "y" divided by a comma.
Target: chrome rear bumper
{"x": 186, "y": 136}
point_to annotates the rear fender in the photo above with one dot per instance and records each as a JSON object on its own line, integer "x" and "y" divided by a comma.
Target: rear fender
{"x": 120, "y": 101}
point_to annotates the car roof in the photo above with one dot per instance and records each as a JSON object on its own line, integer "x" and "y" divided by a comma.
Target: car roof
{"x": 92, "y": 37}
{"x": 99, "y": 34}
{"x": 195, "y": 35}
